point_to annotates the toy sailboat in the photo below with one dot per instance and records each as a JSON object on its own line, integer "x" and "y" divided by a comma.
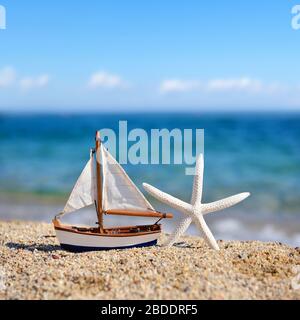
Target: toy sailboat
{"x": 113, "y": 192}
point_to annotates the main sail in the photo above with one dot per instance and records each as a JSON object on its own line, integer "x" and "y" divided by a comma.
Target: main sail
{"x": 119, "y": 192}
{"x": 83, "y": 193}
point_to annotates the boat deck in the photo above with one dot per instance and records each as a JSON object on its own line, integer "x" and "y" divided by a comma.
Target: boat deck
{"x": 116, "y": 231}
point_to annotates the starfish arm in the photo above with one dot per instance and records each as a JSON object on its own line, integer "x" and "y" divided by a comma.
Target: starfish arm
{"x": 224, "y": 203}
{"x": 208, "y": 236}
{"x": 168, "y": 199}
{"x": 180, "y": 230}
{"x": 198, "y": 182}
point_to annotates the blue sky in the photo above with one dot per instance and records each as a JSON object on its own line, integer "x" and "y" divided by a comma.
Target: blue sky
{"x": 136, "y": 55}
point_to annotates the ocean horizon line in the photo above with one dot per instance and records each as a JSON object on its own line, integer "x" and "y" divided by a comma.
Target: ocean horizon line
{"x": 90, "y": 112}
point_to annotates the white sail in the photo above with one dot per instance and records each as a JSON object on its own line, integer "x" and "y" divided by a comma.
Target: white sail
{"x": 83, "y": 193}
{"x": 119, "y": 192}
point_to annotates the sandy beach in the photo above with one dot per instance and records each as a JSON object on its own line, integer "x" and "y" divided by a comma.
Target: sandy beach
{"x": 32, "y": 266}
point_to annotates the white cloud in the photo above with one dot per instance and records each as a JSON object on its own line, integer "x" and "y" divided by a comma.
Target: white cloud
{"x": 104, "y": 79}
{"x": 7, "y": 77}
{"x": 177, "y": 85}
{"x": 235, "y": 84}
{"x": 242, "y": 84}
{"x": 28, "y": 83}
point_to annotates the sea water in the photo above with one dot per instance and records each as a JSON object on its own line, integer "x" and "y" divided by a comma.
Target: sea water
{"x": 41, "y": 157}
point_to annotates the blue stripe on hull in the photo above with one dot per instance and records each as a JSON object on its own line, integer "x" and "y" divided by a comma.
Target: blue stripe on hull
{"x": 72, "y": 248}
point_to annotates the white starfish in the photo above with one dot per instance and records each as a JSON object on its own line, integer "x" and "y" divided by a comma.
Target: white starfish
{"x": 195, "y": 210}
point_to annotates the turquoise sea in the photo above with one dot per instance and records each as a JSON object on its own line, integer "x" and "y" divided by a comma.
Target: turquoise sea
{"x": 41, "y": 157}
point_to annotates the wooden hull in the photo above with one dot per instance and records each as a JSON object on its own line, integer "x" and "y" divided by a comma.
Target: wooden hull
{"x": 89, "y": 239}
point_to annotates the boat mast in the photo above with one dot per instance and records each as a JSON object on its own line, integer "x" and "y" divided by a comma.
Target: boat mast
{"x": 99, "y": 182}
